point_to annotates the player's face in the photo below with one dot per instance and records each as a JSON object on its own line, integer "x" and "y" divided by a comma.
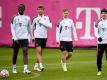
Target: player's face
{"x": 21, "y": 9}
{"x": 104, "y": 15}
{"x": 40, "y": 11}
{"x": 65, "y": 14}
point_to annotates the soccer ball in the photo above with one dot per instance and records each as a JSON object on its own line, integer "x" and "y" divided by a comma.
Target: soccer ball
{"x": 4, "y": 73}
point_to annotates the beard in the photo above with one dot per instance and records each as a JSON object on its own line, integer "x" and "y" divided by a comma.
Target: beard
{"x": 21, "y": 12}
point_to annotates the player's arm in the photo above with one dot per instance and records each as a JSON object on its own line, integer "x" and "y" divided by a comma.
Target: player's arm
{"x": 96, "y": 34}
{"x": 97, "y": 22}
{"x": 47, "y": 23}
{"x": 33, "y": 24}
{"x": 30, "y": 29}
{"x": 58, "y": 31}
{"x": 74, "y": 32}
{"x": 13, "y": 30}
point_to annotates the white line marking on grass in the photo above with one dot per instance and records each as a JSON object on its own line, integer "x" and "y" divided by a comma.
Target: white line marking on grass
{"x": 69, "y": 63}
{"x": 27, "y": 78}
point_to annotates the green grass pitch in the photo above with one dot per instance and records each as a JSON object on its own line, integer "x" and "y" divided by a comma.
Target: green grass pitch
{"x": 82, "y": 65}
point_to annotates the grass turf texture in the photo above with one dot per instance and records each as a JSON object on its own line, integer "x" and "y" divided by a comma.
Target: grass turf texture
{"x": 82, "y": 66}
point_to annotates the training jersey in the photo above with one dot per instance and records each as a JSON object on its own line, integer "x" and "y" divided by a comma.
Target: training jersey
{"x": 101, "y": 31}
{"x": 20, "y": 27}
{"x": 40, "y": 25}
{"x": 65, "y": 29}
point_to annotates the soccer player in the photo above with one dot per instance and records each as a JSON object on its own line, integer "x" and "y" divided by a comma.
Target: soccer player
{"x": 101, "y": 34}
{"x": 40, "y": 26}
{"x": 21, "y": 32}
{"x": 64, "y": 37}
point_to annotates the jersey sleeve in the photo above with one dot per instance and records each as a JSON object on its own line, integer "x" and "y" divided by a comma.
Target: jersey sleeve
{"x": 58, "y": 31}
{"x": 13, "y": 29}
{"x": 33, "y": 24}
{"x": 30, "y": 29}
{"x": 74, "y": 31}
{"x": 47, "y": 23}
{"x": 96, "y": 32}
{"x": 33, "y": 27}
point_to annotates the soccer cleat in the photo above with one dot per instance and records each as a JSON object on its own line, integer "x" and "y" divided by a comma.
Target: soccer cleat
{"x": 42, "y": 69}
{"x": 65, "y": 69}
{"x": 26, "y": 71}
{"x": 36, "y": 69}
{"x": 63, "y": 66}
{"x": 99, "y": 73}
{"x": 14, "y": 70}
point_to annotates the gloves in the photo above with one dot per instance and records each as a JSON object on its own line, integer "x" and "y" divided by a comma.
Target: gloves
{"x": 99, "y": 39}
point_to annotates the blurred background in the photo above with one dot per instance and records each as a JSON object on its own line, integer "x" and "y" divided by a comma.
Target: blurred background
{"x": 83, "y": 12}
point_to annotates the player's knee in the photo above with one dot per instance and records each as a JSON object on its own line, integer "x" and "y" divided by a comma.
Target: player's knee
{"x": 64, "y": 52}
{"x": 39, "y": 50}
{"x": 70, "y": 53}
{"x": 25, "y": 52}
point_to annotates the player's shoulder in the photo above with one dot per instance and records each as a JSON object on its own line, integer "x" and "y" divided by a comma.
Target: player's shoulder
{"x": 70, "y": 19}
{"x": 27, "y": 17}
{"x": 14, "y": 17}
{"x": 34, "y": 18}
{"x": 61, "y": 20}
{"x": 46, "y": 16}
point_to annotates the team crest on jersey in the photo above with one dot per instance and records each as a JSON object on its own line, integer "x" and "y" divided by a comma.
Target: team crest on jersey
{"x": 44, "y": 18}
{"x": 20, "y": 24}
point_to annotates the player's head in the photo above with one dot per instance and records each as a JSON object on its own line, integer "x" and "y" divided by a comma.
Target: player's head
{"x": 104, "y": 13}
{"x": 40, "y": 9}
{"x": 21, "y": 9}
{"x": 65, "y": 13}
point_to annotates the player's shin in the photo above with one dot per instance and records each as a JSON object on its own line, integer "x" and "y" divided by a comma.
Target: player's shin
{"x": 69, "y": 55}
{"x": 63, "y": 60}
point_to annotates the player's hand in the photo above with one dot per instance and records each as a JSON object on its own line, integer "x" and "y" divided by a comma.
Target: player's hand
{"x": 16, "y": 41}
{"x": 33, "y": 40}
{"x": 99, "y": 39}
{"x": 58, "y": 43}
{"x": 96, "y": 25}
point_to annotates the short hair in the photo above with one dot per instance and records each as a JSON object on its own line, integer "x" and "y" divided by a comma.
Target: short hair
{"x": 21, "y": 5}
{"x": 103, "y": 10}
{"x": 64, "y": 10}
{"x": 41, "y": 6}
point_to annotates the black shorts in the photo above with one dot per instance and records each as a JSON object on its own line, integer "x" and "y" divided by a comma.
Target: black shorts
{"x": 66, "y": 46}
{"x": 22, "y": 43}
{"x": 102, "y": 48}
{"x": 40, "y": 42}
